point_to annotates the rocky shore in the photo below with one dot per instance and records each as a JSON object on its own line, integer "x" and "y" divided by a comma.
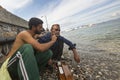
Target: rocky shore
{"x": 91, "y": 67}
{"x": 97, "y": 66}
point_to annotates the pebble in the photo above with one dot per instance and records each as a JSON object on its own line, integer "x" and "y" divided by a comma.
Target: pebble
{"x": 100, "y": 73}
{"x": 72, "y": 70}
{"x": 78, "y": 66}
{"x": 97, "y": 76}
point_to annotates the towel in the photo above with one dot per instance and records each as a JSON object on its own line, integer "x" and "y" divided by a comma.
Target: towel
{"x": 4, "y": 74}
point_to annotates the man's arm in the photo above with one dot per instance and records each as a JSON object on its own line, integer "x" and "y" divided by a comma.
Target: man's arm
{"x": 76, "y": 56}
{"x": 41, "y": 47}
{"x": 46, "y": 38}
{"x": 72, "y": 47}
{"x": 66, "y": 41}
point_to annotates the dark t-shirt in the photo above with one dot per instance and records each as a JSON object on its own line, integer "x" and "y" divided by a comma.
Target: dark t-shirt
{"x": 57, "y": 47}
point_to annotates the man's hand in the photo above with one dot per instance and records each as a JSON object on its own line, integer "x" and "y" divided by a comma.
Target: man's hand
{"x": 53, "y": 38}
{"x": 76, "y": 56}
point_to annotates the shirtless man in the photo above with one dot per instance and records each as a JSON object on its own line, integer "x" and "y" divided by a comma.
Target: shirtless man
{"x": 35, "y": 55}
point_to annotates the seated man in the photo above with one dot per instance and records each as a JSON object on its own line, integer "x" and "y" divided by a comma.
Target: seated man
{"x": 57, "y": 48}
{"x": 34, "y": 61}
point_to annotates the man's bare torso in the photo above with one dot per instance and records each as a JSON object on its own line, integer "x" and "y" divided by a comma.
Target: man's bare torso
{"x": 19, "y": 41}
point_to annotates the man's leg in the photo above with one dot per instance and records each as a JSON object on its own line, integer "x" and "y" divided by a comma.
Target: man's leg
{"x": 29, "y": 62}
{"x": 43, "y": 58}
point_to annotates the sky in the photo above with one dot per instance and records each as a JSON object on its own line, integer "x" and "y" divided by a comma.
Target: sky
{"x": 67, "y": 13}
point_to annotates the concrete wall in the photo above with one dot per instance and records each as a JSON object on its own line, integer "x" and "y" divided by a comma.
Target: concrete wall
{"x": 8, "y": 31}
{"x": 8, "y": 17}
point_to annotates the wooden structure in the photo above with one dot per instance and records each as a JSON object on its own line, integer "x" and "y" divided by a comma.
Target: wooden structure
{"x": 64, "y": 72}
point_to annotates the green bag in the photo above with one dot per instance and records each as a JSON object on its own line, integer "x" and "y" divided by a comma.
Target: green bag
{"x": 4, "y": 74}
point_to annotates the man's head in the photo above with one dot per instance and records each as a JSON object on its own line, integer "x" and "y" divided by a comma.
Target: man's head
{"x": 55, "y": 29}
{"x": 35, "y": 24}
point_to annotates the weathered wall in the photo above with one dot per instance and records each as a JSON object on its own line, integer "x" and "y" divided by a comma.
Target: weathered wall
{"x": 10, "y": 26}
{"x": 8, "y": 31}
{"x": 8, "y": 17}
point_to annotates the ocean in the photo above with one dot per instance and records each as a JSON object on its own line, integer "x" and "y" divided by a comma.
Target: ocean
{"x": 101, "y": 37}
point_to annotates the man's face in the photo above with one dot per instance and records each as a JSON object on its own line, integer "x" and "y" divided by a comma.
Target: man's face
{"x": 38, "y": 29}
{"x": 55, "y": 30}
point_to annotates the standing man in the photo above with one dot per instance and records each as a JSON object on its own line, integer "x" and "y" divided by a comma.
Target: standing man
{"x": 35, "y": 55}
{"x": 57, "y": 47}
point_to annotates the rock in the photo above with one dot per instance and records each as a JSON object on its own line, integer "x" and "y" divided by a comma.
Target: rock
{"x": 78, "y": 66}
{"x": 97, "y": 76}
{"x": 9, "y": 34}
{"x": 72, "y": 70}
{"x": 62, "y": 57}
{"x": 100, "y": 73}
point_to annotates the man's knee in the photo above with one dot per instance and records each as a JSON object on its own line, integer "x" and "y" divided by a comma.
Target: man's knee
{"x": 27, "y": 46}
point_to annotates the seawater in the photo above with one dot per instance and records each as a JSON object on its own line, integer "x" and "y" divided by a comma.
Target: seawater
{"x": 102, "y": 37}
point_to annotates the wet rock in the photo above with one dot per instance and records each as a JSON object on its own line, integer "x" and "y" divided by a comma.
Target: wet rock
{"x": 97, "y": 76}
{"x": 78, "y": 66}
{"x": 100, "y": 73}
{"x": 72, "y": 70}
